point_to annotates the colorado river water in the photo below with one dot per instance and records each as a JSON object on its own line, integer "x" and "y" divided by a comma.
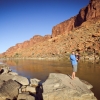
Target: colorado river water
{"x": 40, "y": 69}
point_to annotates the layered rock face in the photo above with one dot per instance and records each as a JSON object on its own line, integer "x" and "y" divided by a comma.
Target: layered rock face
{"x": 92, "y": 10}
{"x": 85, "y": 38}
{"x": 80, "y": 33}
{"x": 26, "y": 44}
{"x": 63, "y": 27}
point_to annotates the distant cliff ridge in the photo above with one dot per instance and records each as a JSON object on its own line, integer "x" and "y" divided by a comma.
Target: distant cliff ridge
{"x": 81, "y": 33}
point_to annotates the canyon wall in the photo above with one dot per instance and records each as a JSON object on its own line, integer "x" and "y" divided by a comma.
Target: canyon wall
{"x": 92, "y": 10}
{"x": 81, "y": 32}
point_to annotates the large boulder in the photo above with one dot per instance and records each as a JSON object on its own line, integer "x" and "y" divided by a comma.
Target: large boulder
{"x": 9, "y": 90}
{"x": 22, "y": 80}
{"x": 62, "y": 87}
{"x": 1, "y": 82}
{"x": 25, "y": 97}
{"x": 6, "y": 77}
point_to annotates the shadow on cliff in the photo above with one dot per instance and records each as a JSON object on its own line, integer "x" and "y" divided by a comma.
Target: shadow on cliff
{"x": 79, "y": 18}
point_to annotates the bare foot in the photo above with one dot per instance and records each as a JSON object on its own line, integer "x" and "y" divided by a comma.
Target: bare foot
{"x": 72, "y": 78}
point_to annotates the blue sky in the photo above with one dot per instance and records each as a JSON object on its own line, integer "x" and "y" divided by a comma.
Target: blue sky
{"x": 20, "y": 20}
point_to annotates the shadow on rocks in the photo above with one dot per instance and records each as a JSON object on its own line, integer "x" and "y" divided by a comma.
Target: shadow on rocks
{"x": 39, "y": 91}
{"x": 1, "y": 71}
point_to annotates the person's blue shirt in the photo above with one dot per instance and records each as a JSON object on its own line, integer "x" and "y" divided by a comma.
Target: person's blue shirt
{"x": 73, "y": 59}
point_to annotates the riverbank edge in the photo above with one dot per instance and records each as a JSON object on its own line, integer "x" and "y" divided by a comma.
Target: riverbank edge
{"x": 86, "y": 58}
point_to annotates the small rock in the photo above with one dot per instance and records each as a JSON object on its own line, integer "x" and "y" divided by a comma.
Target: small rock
{"x": 34, "y": 82}
{"x": 4, "y": 70}
{"x": 20, "y": 90}
{"x": 23, "y": 87}
{"x": 31, "y": 89}
{"x": 13, "y": 73}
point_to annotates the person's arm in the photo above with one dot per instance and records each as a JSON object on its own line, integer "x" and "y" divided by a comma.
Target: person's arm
{"x": 72, "y": 57}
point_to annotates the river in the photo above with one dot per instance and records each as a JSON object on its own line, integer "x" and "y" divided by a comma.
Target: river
{"x": 40, "y": 69}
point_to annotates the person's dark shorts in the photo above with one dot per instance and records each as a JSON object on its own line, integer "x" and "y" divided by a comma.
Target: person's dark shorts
{"x": 74, "y": 68}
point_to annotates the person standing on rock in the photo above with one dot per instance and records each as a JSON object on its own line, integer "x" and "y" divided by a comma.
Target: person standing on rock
{"x": 73, "y": 60}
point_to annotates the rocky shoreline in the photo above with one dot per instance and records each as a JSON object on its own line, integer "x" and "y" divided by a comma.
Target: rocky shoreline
{"x": 57, "y": 87}
{"x": 87, "y": 57}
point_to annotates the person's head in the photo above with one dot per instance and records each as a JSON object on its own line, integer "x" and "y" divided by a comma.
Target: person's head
{"x": 73, "y": 52}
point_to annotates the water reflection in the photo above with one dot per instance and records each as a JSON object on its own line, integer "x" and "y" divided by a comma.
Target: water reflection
{"x": 89, "y": 71}
{"x": 39, "y": 69}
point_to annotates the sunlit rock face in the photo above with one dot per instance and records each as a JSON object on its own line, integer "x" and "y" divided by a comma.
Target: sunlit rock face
{"x": 81, "y": 32}
{"x": 62, "y": 87}
{"x": 91, "y": 11}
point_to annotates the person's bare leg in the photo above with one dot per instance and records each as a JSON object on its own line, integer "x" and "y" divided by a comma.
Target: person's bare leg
{"x": 73, "y": 75}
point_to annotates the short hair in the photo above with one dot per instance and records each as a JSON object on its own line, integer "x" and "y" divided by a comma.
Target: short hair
{"x": 72, "y": 51}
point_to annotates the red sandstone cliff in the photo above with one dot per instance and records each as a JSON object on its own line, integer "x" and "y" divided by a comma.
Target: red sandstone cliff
{"x": 92, "y": 10}
{"x": 81, "y": 32}
{"x": 26, "y": 44}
